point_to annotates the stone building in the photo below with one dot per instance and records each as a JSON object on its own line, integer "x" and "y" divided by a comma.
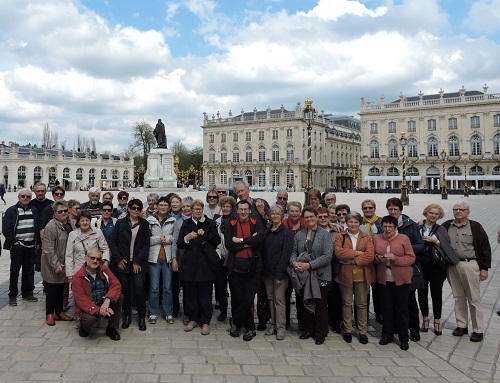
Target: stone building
{"x": 24, "y": 166}
{"x": 465, "y": 125}
{"x": 268, "y": 149}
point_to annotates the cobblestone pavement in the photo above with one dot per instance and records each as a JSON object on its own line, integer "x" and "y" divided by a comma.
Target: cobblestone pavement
{"x": 32, "y": 351}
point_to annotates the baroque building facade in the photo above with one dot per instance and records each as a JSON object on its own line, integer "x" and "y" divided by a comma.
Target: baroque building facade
{"x": 268, "y": 149}
{"x": 458, "y": 131}
{"x": 24, "y": 166}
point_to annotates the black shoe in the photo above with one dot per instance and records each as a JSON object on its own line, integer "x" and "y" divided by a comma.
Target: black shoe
{"x": 476, "y": 337}
{"x": 404, "y": 346}
{"x": 363, "y": 339}
{"x": 385, "y": 341}
{"x": 306, "y": 335}
{"x": 348, "y": 337}
{"x": 234, "y": 331}
{"x": 83, "y": 333}
{"x": 247, "y": 337}
{"x": 414, "y": 336}
{"x": 126, "y": 321}
{"x": 222, "y": 317}
{"x": 460, "y": 331}
{"x": 142, "y": 324}
{"x": 112, "y": 333}
{"x": 319, "y": 341}
{"x": 498, "y": 312}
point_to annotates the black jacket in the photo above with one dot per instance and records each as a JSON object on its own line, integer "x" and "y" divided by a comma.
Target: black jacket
{"x": 480, "y": 241}
{"x": 276, "y": 251}
{"x": 254, "y": 241}
{"x": 119, "y": 244}
{"x": 9, "y": 225}
{"x": 194, "y": 266}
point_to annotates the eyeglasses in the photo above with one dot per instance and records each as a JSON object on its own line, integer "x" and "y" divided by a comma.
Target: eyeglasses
{"x": 282, "y": 198}
{"x": 135, "y": 208}
{"x": 95, "y": 258}
{"x": 213, "y": 197}
{"x": 62, "y": 211}
{"x": 107, "y": 210}
{"x": 367, "y": 207}
{"x": 122, "y": 197}
{"x": 25, "y": 196}
{"x": 460, "y": 210}
{"x": 59, "y": 194}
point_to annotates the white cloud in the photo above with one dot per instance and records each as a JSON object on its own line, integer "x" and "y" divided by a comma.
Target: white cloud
{"x": 483, "y": 17}
{"x": 63, "y": 64}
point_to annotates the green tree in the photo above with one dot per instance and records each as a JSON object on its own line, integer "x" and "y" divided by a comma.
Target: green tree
{"x": 187, "y": 157}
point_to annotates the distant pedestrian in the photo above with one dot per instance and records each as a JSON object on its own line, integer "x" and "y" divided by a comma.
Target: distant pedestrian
{"x": 2, "y": 193}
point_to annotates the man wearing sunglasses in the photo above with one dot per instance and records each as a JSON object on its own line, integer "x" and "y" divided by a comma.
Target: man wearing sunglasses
{"x": 121, "y": 210}
{"x": 106, "y": 222}
{"x": 97, "y": 294}
{"x": 58, "y": 194}
{"x": 22, "y": 237}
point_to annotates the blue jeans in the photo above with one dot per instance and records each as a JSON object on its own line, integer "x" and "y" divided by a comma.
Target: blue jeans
{"x": 165, "y": 269}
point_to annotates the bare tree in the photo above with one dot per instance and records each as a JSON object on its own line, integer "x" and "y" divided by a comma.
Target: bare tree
{"x": 144, "y": 139}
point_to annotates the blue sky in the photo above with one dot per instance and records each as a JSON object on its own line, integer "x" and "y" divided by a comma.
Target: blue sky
{"x": 94, "y": 68}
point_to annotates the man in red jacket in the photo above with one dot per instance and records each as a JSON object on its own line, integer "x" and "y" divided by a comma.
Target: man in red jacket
{"x": 97, "y": 294}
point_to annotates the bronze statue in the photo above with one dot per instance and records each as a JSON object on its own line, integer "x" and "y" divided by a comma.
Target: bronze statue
{"x": 160, "y": 135}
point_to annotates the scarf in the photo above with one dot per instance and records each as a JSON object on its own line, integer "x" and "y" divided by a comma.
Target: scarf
{"x": 369, "y": 222}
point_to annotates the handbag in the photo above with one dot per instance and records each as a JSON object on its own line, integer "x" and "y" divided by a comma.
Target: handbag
{"x": 213, "y": 258}
{"x": 439, "y": 258}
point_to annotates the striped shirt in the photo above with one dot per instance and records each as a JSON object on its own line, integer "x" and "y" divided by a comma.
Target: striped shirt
{"x": 25, "y": 230}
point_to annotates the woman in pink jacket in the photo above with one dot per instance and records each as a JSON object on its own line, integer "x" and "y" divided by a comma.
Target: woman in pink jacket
{"x": 395, "y": 252}
{"x": 355, "y": 251}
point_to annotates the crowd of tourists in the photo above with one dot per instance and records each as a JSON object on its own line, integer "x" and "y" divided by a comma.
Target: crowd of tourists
{"x": 333, "y": 260}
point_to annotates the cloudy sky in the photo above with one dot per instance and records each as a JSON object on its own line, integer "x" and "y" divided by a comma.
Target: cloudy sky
{"x": 95, "y": 67}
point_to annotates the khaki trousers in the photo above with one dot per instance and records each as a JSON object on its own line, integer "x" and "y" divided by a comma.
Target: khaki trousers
{"x": 465, "y": 286}
{"x": 277, "y": 301}
{"x": 360, "y": 292}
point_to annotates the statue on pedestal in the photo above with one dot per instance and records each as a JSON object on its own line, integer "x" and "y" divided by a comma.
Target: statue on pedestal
{"x": 161, "y": 137}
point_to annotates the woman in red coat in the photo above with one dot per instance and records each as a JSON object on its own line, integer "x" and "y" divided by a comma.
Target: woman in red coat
{"x": 355, "y": 251}
{"x": 395, "y": 252}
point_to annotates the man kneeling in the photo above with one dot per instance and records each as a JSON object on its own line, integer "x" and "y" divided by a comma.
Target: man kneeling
{"x": 97, "y": 294}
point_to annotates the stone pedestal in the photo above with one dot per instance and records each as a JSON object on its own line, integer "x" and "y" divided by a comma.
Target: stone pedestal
{"x": 160, "y": 171}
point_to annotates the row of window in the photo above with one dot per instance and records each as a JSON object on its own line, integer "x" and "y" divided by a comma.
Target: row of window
{"x": 475, "y": 123}
{"x": 413, "y": 171}
{"x": 275, "y": 154}
{"x": 476, "y": 147}
{"x": 38, "y": 173}
{"x": 256, "y": 178}
{"x": 248, "y": 136}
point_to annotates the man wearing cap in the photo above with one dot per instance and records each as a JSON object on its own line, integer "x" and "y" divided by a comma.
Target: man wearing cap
{"x": 121, "y": 210}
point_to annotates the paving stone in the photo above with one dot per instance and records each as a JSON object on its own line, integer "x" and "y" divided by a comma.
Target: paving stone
{"x": 198, "y": 369}
{"x": 258, "y": 370}
{"x": 138, "y": 378}
{"x": 228, "y": 369}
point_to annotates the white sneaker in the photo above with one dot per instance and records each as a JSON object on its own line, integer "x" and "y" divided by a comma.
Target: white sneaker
{"x": 153, "y": 319}
{"x": 170, "y": 319}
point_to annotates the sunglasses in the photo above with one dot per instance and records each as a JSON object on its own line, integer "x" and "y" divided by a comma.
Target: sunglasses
{"x": 135, "y": 208}
{"x": 283, "y": 198}
{"x": 108, "y": 210}
{"x": 25, "y": 196}
{"x": 62, "y": 211}
{"x": 213, "y": 197}
{"x": 59, "y": 194}
{"x": 122, "y": 197}
{"x": 95, "y": 258}
{"x": 222, "y": 192}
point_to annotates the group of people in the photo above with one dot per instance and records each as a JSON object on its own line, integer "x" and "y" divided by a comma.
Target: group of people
{"x": 114, "y": 258}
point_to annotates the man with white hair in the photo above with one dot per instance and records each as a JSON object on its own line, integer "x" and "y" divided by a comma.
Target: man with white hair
{"x": 22, "y": 237}
{"x": 471, "y": 243}
{"x": 93, "y": 206}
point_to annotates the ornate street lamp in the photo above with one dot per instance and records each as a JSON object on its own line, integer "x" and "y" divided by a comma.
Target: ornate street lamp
{"x": 444, "y": 192}
{"x": 355, "y": 170}
{"x": 404, "y": 188}
{"x": 466, "y": 184}
{"x": 309, "y": 114}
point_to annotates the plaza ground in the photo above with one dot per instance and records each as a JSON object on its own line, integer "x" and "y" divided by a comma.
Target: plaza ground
{"x": 31, "y": 351}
